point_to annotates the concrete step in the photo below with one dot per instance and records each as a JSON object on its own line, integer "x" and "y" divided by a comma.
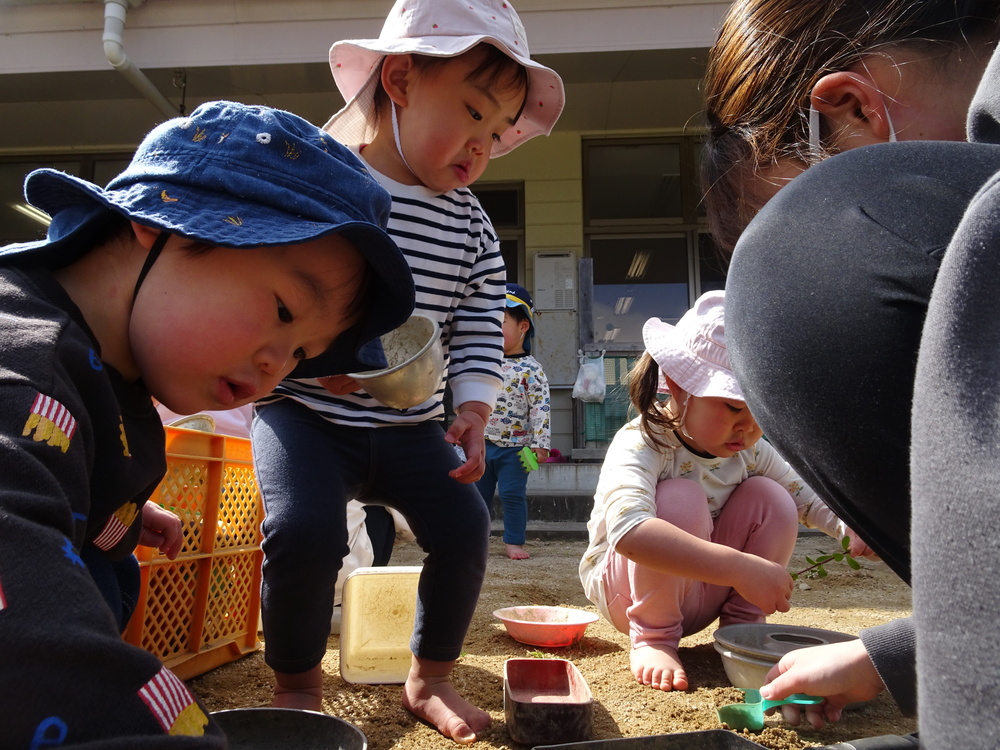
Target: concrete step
{"x": 549, "y": 530}
{"x": 553, "y": 506}
{"x": 552, "y": 514}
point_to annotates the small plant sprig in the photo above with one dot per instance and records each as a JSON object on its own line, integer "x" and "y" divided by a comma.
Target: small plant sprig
{"x": 816, "y": 568}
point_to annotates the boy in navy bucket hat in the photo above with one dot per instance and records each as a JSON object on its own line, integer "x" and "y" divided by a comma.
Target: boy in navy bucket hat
{"x": 240, "y": 245}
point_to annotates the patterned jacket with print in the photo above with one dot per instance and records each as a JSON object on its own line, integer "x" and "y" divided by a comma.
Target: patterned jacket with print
{"x": 521, "y": 416}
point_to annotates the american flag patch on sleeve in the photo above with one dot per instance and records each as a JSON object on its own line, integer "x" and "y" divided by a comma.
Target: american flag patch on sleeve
{"x": 172, "y": 704}
{"x": 51, "y": 422}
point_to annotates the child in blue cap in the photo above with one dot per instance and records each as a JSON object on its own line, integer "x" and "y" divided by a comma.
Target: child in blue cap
{"x": 520, "y": 420}
{"x": 242, "y": 244}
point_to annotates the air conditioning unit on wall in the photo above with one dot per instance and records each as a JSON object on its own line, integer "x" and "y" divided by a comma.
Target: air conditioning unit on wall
{"x": 555, "y": 281}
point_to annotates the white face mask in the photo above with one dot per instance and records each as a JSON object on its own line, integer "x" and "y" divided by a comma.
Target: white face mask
{"x": 816, "y": 148}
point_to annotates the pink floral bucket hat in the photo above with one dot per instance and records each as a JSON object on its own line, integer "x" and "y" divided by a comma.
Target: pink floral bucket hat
{"x": 693, "y": 353}
{"x": 441, "y": 28}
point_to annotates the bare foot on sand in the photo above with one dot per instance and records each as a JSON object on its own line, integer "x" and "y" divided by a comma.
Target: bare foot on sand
{"x": 516, "y": 552}
{"x": 658, "y": 667}
{"x": 429, "y": 695}
{"x": 303, "y": 690}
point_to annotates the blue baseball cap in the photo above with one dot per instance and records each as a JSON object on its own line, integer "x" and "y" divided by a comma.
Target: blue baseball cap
{"x": 235, "y": 175}
{"x": 518, "y": 296}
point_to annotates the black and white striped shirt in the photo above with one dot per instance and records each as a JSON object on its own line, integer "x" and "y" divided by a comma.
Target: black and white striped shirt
{"x": 460, "y": 282}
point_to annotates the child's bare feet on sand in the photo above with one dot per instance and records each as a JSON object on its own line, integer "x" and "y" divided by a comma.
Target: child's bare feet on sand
{"x": 429, "y": 695}
{"x": 516, "y": 552}
{"x": 658, "y": 667}
{"x": 303, "y": 690}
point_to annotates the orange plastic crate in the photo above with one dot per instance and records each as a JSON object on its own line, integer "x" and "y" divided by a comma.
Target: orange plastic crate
{"x": 201, "y": 610}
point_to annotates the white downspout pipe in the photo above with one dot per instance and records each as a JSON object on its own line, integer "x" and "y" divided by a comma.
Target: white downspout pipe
{"x": 114, "y": 49}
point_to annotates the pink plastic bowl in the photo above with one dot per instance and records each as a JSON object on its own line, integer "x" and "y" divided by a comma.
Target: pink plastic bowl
{"x": 550, "y": 627}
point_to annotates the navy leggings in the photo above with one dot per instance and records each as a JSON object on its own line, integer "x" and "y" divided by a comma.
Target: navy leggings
{"x": 308, "y": 469}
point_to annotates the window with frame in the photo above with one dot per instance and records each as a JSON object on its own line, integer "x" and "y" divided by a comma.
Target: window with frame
{"x": 644, "y": 230}
{"x": 504, "y": 204}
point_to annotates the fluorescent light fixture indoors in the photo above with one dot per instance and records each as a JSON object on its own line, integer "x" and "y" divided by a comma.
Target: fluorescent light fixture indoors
{"x": 638, "y": 268}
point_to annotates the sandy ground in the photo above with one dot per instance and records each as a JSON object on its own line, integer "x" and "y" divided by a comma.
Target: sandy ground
{"x": 846, "y": 600}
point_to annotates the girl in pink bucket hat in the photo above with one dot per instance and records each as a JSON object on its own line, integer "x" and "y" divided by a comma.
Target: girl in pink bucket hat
{"x": 447, "y": 85}
{"x": 431, "y": 31}
{"x": 695, "y": 518}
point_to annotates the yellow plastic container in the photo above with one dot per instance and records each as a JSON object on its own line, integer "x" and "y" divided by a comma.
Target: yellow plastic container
{"x": 200, "y": 610}
{"x": 379, "y": 605}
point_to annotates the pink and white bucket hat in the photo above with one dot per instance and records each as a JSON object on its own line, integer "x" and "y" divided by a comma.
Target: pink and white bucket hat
{"x": 441, "y": 28}
{"x": 693, "y": 353}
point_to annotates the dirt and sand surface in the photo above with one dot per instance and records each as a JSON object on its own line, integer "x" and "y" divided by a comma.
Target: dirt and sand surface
{"x": 845, "y": 600}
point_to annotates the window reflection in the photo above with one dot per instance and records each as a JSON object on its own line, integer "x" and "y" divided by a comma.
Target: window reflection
{"x": 634, "y": 180}
{"x": 637, "y": 278}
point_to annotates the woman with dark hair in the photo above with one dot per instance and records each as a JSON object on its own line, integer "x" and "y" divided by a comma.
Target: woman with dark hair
{"x": 792, "y": 81}
{"x": 825, "y": 347}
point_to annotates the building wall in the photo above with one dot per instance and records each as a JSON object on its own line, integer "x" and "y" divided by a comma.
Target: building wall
{"x": 551, "y": 171}
{"x": 59, "y": 95}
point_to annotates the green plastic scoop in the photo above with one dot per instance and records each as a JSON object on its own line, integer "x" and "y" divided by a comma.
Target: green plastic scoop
{"x": 527, "y": 458}
{"x": 750, "y": 714}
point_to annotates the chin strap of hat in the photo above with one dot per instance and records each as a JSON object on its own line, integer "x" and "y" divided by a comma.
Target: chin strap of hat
{"x": 154, "y": 253}
{"x": 395, "y": 135}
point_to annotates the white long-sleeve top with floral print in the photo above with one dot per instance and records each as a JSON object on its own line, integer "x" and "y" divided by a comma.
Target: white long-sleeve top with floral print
{"x": 521, "y": 416}
{"x": 626, "y": 492}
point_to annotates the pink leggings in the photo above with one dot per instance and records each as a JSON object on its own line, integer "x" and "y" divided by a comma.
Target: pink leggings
{"x": 760, "y": 518}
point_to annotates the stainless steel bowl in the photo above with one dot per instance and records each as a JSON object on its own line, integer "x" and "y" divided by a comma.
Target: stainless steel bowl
{"x": 416, "y": 365}
{"x": 750, "y": 649}
{"x": 287, "y": 729}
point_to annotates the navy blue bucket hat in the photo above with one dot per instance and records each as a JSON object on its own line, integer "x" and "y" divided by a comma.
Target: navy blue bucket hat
{"x": 234, "y": 175}
{"x": 518, "y": 296}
